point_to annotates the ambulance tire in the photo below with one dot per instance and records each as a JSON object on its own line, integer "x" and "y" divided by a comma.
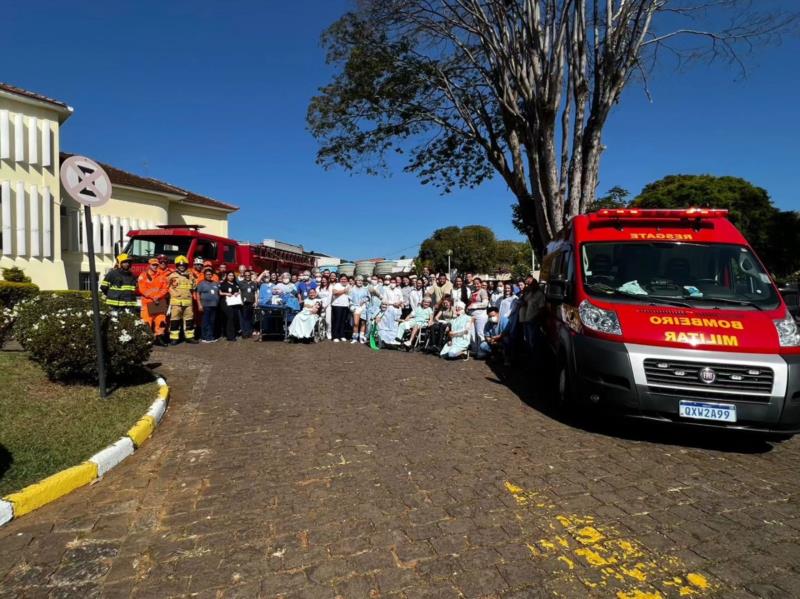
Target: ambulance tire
{"x": 564, "y": 396}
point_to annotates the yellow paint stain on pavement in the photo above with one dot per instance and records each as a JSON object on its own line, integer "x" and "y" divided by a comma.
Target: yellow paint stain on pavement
{"x": 622, "y": 566}
{"x": 570, "y": 564}
{"x": 589, "y": 535}
{"x": 592, "y": 557}
{"x": 698, "y": 580}
{"x": 636, "y": 594}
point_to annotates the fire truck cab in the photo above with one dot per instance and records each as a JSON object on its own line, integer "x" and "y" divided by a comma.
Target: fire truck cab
{"x": 189, "y": 240}
{"x": 669, "y": 315}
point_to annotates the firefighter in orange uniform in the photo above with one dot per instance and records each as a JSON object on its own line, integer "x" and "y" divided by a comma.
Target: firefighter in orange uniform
{"x": 163, "y": 265}
{"x": 154, "y": 288}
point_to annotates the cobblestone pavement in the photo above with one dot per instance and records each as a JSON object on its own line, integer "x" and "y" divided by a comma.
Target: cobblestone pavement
{"x": 333, "y": 470}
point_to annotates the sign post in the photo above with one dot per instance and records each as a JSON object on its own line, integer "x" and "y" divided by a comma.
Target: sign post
{"x": 88, "y": 184}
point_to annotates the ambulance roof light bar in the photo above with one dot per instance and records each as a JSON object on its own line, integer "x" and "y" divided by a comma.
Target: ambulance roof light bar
{"x": 659, "y": 213}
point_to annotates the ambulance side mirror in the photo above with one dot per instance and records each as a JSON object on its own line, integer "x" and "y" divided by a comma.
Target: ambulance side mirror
{"x": 556, "y": 292}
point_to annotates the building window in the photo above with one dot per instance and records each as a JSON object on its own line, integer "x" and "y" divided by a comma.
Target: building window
{"x": 84, "y": 281}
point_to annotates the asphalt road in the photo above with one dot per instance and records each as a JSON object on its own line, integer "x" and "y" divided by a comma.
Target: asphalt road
{"x": 334, "y": 470}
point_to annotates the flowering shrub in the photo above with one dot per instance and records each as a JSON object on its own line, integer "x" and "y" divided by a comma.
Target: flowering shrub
{"x": 62, "y": 342}
{"x": 29, "y": 312}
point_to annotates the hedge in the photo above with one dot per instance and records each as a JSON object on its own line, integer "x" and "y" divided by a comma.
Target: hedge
{"x": 13, "y": 293}
{"x": 68, "y": 293}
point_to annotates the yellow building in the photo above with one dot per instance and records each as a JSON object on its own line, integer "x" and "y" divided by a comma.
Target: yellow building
{"x": 41, "y": 227}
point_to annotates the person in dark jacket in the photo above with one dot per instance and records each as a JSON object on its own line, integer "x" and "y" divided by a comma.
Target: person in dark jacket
{"x": 119, "y": 287}
{"x": 248, "y": 289}
{"x": 231, "y": 298}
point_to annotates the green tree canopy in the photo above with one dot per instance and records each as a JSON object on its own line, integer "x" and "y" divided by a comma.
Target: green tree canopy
{"x": 475, "y": 249}
{"x": 775, "y": 235}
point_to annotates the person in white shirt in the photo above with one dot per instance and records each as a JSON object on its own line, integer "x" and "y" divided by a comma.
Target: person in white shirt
{"x": 391, "y": 293}
{"x": 340, "y": 309}
{"x": 325, "y": 295}
{"x": 507, "y": 303}
{"x": 416, "y": 295}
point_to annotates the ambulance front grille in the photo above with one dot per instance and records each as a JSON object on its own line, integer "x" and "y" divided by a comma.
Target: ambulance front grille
{"x": 733, "y": 379}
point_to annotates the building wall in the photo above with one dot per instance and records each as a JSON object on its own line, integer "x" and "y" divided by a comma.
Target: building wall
{"x": 126, "y": 210}
{"x": 41, "y": 227}
{"x": 214, "y": 221}
{"x": 30, "y": 195}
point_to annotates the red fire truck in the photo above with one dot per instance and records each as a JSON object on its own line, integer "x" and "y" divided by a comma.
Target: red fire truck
{"x": 669, "y": 315}
{"x": 190, "y": 241}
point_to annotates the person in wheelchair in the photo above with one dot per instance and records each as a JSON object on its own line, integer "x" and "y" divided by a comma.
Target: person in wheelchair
{"x": 303, "y": 324}
{"x": 422, "y": 316}
{"x": 386, "y": 323}
{"x": 459, "y": 334}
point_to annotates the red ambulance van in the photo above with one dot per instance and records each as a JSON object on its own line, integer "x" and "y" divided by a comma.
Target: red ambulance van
{"x": 669, "y": 315}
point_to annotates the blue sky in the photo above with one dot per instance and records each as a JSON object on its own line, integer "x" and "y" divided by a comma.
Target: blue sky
{"x": 212, "y": 96}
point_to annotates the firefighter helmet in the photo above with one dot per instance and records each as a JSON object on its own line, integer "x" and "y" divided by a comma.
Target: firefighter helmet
{"x": 123, "y": 258}
{"x": 181, "y": 260}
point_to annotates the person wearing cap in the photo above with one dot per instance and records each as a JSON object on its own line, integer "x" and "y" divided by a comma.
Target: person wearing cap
{"x": 181, "y": 289}
{"x": 492, "y": 334}
{"x": 386, "y": 323}
{"x": 119, "y": 286}
{"x": 163, "y": 265}
{"x": 197, "y": 269}
{"x": 359, "y": 298}
{"x": 391, "y": 294}
{"x": 461, "y": 327}
{"x": 153, "y": 289}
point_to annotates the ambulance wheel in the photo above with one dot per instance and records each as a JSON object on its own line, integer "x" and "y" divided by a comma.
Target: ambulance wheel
{"x": 564, "y": 392}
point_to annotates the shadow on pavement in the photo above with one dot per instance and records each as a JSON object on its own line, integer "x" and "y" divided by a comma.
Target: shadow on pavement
{"x": 530, "y": 385}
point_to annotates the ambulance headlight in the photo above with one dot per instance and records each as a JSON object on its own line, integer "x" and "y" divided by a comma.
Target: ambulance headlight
{"x": 597, "y": 319}
{"x": 788, "y": 335}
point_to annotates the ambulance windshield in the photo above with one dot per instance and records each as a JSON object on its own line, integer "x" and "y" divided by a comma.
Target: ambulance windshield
{"x": 694, "y": 274}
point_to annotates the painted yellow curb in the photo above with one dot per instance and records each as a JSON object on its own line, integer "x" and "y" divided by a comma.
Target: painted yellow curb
{"x": 51, "y": 488}
{"x": 142, "y": 430}
{"x": 57, "y": 485}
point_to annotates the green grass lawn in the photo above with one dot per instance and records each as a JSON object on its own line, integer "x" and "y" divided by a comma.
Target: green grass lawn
{"x": 46, "y": 427}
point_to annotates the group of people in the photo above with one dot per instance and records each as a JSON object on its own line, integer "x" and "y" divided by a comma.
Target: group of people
{"x": 184, "y": 299}
{"x": 464, "y": 316}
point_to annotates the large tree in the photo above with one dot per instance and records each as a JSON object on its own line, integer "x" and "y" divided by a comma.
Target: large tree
{"x": 467, "y": 89}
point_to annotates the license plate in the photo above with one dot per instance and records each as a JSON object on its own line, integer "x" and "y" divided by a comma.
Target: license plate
{"x": 722, "y": 412}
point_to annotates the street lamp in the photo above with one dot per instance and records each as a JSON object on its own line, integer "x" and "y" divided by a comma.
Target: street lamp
{"x": 449, "y": 253}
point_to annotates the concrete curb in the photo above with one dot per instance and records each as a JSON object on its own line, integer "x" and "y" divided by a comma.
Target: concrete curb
{"x": 61, "y": 483}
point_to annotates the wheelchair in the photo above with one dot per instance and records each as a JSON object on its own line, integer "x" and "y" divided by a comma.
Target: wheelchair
{"x": 420, "y": 341}
{"x": 320, "y": 329}
{"x": 436, "y": 337}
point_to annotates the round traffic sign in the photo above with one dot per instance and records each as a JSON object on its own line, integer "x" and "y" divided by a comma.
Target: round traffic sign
{"x": 85, "y": 181}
